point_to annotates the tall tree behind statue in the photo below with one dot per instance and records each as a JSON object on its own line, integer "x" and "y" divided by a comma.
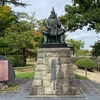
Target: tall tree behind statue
{"x": 82, "y": 13}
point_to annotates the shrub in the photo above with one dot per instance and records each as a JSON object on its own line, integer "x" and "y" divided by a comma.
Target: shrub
{"x": 12, "y": 60}
{"x": 16, "y": 60}
{"x": 96, "y": 66}
{"x": 85, "y": 63}
{"x": 74, "y": 59}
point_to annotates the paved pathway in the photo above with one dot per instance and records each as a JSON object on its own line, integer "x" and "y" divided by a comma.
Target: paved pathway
{"x": 90, "y": 89}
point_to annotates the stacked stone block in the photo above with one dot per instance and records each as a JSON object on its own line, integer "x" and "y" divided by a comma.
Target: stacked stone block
{"x": 65, "y": 82}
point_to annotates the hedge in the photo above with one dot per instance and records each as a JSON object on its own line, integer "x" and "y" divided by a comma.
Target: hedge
{"x": 85, "y": 63}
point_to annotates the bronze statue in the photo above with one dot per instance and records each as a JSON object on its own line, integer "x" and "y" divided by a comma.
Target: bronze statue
{"x": 54, "y": 32}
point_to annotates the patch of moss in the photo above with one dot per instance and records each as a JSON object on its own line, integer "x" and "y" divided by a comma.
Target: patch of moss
{"x": 11, "y": 87}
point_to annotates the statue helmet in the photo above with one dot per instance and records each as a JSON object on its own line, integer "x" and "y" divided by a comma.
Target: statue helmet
{"x": 53, "y": 11}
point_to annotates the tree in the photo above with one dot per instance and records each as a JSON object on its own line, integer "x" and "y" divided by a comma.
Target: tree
{"x": 19, "y": 27}
{"x": 82, "y": 13}
{"x": 96, "y": 49}
{"x": 82, "y": 52}
{"x": 14, "y": 2}
{"x": 3, "y": 46}
{"x": 86, "y": 64}
{"x": 19, "y": 43}
{"x": 37, "y": 40}
{"x": 24, "y": 43}
{"x": 25, "y": 22}
{"x": 7, "y": 16}
{"x": 23, "y": 39}
{"x": 76, "y": 45}
{"x": 6, "y": 19}
{"x": 33, "y": 23}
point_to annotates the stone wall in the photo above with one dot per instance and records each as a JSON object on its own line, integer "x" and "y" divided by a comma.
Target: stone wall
{"x": 54, "y": 73}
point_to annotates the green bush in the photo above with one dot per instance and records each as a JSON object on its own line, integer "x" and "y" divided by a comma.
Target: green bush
{"x": 12, "y": 60}
{"x": 85, "y": 63}
{"x": 16, "y": 60}
{"x": 74, "y": 59}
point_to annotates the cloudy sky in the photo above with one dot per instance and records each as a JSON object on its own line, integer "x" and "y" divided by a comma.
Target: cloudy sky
{"x": 42, "y": 10}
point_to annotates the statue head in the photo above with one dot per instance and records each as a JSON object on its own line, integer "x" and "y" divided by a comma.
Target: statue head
{"x": 53, "y": 15}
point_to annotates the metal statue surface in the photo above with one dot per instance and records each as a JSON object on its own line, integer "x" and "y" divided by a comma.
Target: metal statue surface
{"x": 54, "y": 32}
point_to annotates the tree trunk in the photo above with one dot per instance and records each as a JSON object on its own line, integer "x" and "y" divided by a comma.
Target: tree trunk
{"x": 3, "y": 2}
{"x": 98, "y": 68}
{"x": 86, "y": 72}
{"x": 23, "y": 57}
{"x": 73, "y": 53}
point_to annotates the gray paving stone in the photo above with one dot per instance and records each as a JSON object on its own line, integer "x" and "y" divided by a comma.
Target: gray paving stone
{"x": 24, "y": 84}
{"x": 1, "y": 93}
{"x": 84, "y": 87}
{"x": 91, "y": 87}
{"x": 92, "y": 97}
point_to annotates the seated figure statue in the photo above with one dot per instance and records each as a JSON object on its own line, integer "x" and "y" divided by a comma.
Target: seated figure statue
{"x": 54, "y": 32}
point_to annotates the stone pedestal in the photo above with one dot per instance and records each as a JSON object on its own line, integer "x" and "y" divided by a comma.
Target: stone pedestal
{"x": 54, "y": 73}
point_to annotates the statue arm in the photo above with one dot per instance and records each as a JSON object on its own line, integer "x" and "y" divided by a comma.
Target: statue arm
{"x": 47, "y": 25}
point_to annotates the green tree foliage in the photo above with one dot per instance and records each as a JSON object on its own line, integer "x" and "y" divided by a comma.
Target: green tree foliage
{"x": 19, "y": 27}
{"x": 12, "y": 60}
{"x": 37, "y": 40}
{"x": 96, "y": 49}
{"x": 85, "y": 64}
{"x": 26, "y": 22}
{"x": 21, "y": 36}
{"x": 14, "y": 2}
{"x": 19, "y": 43}
{"x": 31, "y": 20}
{"x": 6, "y": 19}
{"x": 82, "y": 13}
{"x": 24, "y": 44}
{"x": 82, "y": 52}
{"x": 76, "y": 45}
{"x": 3, "y": 46}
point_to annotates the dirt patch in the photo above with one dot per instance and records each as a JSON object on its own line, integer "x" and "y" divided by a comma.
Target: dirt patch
{"x": 94, "y": 76}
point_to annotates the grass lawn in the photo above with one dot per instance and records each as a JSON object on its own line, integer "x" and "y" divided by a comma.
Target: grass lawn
{"x": 31, "y": 75}
{"x": 80, "y": 77}
{"x": 21, "y": 68}
{"x": 25, "y": 74}
{"x": 28, "y": 72}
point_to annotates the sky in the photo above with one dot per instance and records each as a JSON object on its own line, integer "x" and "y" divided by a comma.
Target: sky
{"x": 42, "y": 9}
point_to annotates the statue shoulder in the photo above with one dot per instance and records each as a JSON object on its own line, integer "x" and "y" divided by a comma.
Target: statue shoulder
{"x": 47, "y": 23}
{"x": 58, "y": 21}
